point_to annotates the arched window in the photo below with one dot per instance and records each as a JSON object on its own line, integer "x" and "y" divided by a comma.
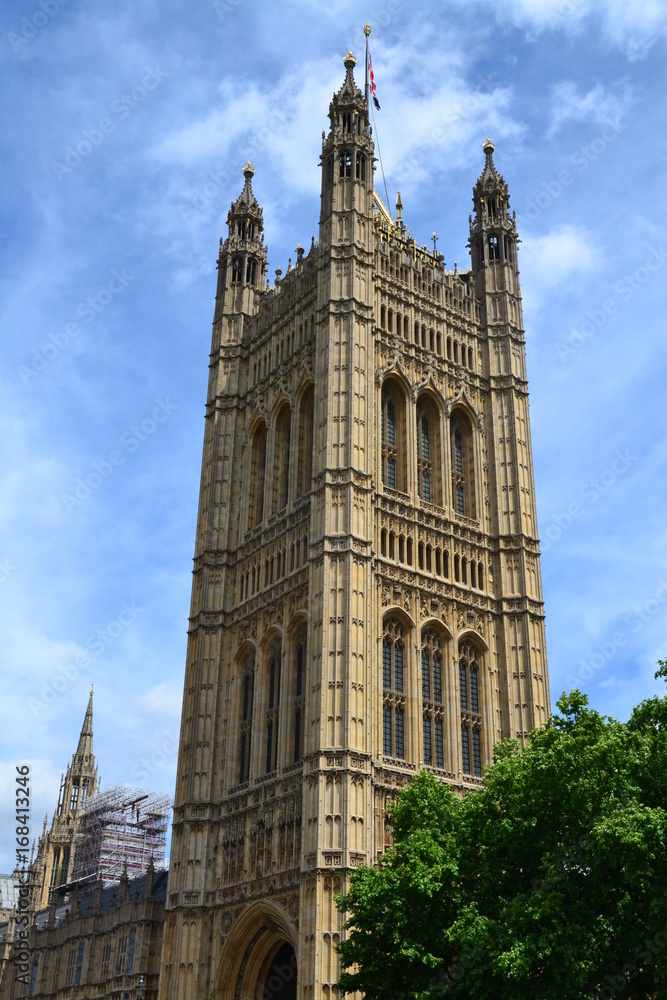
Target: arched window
{"x": 392, "y": 472}
{"x": 305, "y": 471}
{"x": 394, "y": 701}
{"x": 423, "y": 456}
{"x": 282, "y": 458}
{"x": 257, "y": 475}
{"x": 245, "y": 738}
{"x": 299, "y": 687}
{"x": 345, "y": 163}
{"x": 237, "y": 270}
{"x": 433, "y": 711}
{"x": 273, "y": 706}
{"x": 463, "y": 480}
{"x": 471, "y": 719}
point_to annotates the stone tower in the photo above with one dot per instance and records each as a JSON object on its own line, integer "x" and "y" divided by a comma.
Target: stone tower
{"x": 52, "y": 866}
{"x": 366, "y": 597}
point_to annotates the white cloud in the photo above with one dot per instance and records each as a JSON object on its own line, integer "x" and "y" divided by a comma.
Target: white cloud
{"x": 565, "y": 254}
{"x": 600, "y": 105}
{"x": 633, "y": 28}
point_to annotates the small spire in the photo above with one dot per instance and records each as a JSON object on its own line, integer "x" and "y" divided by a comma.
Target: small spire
{"x": 85, "y": 747}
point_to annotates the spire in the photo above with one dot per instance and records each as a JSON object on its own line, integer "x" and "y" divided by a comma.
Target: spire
{"x": 85, "y": 747}
{"x": 490, "y": 175}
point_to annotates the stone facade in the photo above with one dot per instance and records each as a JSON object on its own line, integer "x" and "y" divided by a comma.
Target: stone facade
{"x": 103, "y": 943}
{"x": 367, "y": 596}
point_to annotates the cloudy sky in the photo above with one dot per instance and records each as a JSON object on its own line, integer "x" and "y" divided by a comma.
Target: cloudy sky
{"x": 125, "y": 126}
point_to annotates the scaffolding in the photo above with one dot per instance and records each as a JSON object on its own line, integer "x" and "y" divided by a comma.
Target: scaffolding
{"x": 122, "y": 829}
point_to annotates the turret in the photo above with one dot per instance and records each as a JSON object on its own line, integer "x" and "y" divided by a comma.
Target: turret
{"x": 493, "y": 235}
{"x": 241, "y": 262}
{"x": 347, "y": 158}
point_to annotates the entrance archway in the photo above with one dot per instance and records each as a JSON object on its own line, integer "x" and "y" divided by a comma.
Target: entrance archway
{"x": 258, "y": 960}
{"x": 279, "y": 981}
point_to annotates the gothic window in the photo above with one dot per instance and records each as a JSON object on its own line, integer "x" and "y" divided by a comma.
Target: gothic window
{"x": 33, "y": 976}
{"x": 282, "y": 458}
{"x": 104, "y": 968}
{"x": 79, "y": 965}
{"x": 64, "y": 868}
{"x": 273, "y": 707}
{"x": 470, "y": 359}
{"x": 305, "y": 456}
{"x": 56, "y": 865}
{"x": 245, "y": 739}
{"x": 74, "y": 800}
{"x": 432, "y": 698}
{"x": 389, "y": 454}
{"x": 480, "y": 576}
{"x": 463, "y": 487}
{"x": 257, "y": 476}
{"x": 300, "y": 667}
{"x": 383, "y": 542}
{"x": 494, "y": 249}
{"x": 383, "y": 317}
{"x": 71, "y": 965}
{"x": 471, "y": 719}
{"x": 130, "y": 952}
{"x": 449, "y": 348}
{"x": 84, "y": 791}
{"x": 429, "y": 462}
{"x": 394, "y": 700}
{"x": 473, "y": 574}
{"x": 390, "y": 320}
{"x": 56, "y": 974}
{"x": 345, "y": 163}
{"x": 121, "y": 950}
{"x": 237, "y": 270}
{"x": 251, "y": 271}
{"x": 361, "y": 167}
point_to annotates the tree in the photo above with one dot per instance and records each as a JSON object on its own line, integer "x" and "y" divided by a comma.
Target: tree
{"x": 550, "y": 882}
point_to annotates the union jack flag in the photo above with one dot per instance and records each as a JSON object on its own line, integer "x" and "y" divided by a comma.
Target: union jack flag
{"x": 371, "y": 86}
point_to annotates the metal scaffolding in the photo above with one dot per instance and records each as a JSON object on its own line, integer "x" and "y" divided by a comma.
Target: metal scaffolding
{"x": 122, "y": 828}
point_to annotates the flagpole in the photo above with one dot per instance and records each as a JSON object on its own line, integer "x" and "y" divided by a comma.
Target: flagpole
{"x": 367, "y": 31}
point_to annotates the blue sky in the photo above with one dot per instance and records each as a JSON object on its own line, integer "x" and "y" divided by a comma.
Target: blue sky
{"x": 125, "y": 126}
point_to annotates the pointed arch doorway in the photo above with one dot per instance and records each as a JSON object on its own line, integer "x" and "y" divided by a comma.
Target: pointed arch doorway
{"x": 278, "y": 980}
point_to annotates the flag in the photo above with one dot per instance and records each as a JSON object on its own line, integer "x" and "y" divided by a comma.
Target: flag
{"x": 372, "y": 88}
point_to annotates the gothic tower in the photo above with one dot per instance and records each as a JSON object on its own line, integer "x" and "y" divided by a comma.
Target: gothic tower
{"x": 53, "y": 862}
{"x": 366, "y": 597}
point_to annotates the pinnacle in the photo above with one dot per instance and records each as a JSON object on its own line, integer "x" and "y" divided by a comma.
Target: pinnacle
{"x": 85, "y": 747}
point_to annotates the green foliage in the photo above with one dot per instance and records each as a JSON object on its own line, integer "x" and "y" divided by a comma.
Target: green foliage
{"x": 550, "y": 882}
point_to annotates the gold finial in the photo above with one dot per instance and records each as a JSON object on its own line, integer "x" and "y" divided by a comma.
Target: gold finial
{"x": 349, "y": 62}
{"x": 488, "y": 146}
{"x": 367, "y": 30}
{"x": 248, "y": 170}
